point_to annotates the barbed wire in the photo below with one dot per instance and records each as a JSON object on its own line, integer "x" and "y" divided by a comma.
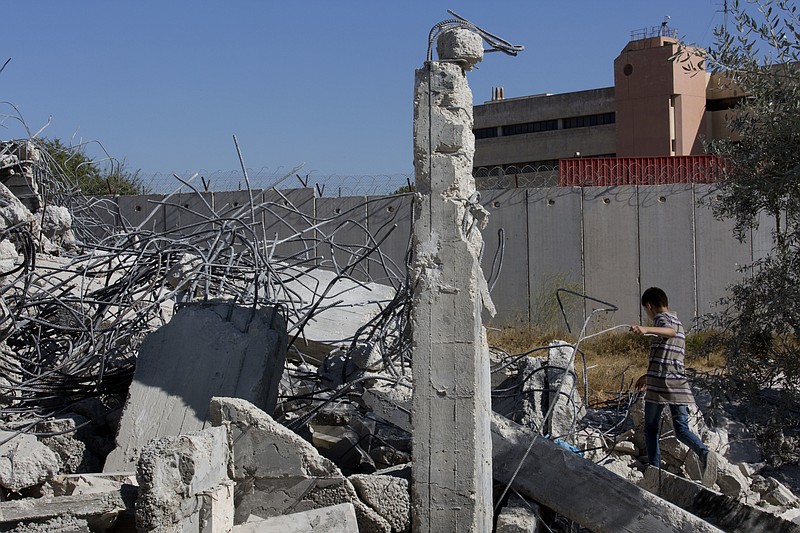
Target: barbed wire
{"x": 330, "y": 185}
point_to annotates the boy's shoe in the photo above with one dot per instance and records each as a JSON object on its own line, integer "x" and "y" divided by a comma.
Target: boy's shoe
{"x": 708, "y": 469}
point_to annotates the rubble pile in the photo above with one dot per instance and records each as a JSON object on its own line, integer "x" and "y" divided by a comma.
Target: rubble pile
{"x": 161, "y": 381}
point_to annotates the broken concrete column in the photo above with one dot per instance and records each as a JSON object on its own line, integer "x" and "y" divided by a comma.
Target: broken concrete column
{"x": 207, "y": 349}
{"x": 451, "y": 472}
{"x": 184, "y": 483}
{"x": 277, "y": 472}
{"x": 580, "y": 490}
{"x": 724, "y": 511}
{"x": 564, "y": 403}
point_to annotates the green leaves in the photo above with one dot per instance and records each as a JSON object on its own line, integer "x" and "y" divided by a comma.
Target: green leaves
{"x": 73, "y": 167}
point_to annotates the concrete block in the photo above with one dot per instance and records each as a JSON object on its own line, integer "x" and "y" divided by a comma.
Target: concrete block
{"x": 339, "y": 518}
{"x": 110, "y": 503}
{"x": 207, "y": 349}
{"x": 389, "y": 496}
{"x": 725, "y": 512}
{"x": 277, "y": 472}
{"x": 173, "y": 473}
{"x": 390, "y": 402}
{"x": 460, "y": 44}
{"x": 25, "y": 462}
{"x": 731, "y": 481}
{"x": 519, "y": 516}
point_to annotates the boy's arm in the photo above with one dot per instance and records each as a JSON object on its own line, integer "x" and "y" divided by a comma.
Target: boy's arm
{"x": 652, "y": 330}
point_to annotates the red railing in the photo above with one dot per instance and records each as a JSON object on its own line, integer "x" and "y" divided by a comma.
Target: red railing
{"x": 604, "y": 171}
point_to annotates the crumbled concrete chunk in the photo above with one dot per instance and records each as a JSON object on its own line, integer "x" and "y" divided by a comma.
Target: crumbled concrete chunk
{"x": 25, "y": 462}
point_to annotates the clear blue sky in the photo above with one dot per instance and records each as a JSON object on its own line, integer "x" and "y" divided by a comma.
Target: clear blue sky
{"x": 166, "y": 84}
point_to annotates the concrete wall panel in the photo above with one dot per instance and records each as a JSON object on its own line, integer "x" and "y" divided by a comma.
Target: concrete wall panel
{"x": 384, "y": 213}
{"x": 507, "y": 209}
{"x": 719, "y": 254}
{"x": 666, "y": 246}
{"x": 555, "y": 254}
{"x": 188, "y": 213}
{"x": 97, "y": 216}
{"x": 611, "y": 253}
{"x": 344, "y": 232}
{"x": 287, "y": 213}
{"x": 134, "y": 210}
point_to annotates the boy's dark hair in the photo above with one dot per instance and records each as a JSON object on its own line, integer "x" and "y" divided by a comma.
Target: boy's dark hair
{"x": 656, "y": 297}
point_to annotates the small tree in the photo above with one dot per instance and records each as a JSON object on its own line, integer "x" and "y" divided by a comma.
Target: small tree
{"x": 762, "y": 177}
{"x": 73, "y": 166}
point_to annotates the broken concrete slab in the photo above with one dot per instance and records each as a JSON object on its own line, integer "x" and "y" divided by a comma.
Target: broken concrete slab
{"x": 277, "y": 472}
{"x": 25, "y": 462}
{"x": 207, "y": 349}
{"x": 727, "y": 513}
{"x": 339, "y": 518}
{"x": 389, "y": 496}
{"x": 580, "y": 490}
{"x": 177, "y": 477}
{"x": 345, "y": 307}
{"x": 81, "y": 505}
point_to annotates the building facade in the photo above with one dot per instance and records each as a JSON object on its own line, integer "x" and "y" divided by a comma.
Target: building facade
{"x": 658, "y": 106}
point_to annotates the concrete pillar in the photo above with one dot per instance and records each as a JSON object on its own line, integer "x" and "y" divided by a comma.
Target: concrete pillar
{"x": 452, "y": 469}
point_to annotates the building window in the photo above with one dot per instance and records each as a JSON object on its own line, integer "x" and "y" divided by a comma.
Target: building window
{"x": 590, "y": 120}
{"x": 485, "y": 133}
{"x": 530, "y": 127}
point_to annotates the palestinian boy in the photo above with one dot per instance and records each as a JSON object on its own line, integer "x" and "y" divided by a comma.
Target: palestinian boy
{"x": 666, "y": 384}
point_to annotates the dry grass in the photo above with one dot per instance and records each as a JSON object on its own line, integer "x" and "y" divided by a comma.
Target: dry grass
{"x": 614, "y": 360}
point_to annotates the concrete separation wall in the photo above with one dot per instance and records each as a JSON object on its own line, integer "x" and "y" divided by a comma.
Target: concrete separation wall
{"x": 610, "y": 242}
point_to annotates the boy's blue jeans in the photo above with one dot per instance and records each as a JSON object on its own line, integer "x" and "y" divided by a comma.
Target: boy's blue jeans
{"x": 680, "y": 421}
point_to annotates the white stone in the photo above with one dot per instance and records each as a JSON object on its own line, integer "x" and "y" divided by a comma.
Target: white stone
{"x": 8, "y": 256}
{"x": 730, "y": 480}
{"x": 25, "y": 462}
{"x": 778, "y": 494}
{"x": 626, "y": 447}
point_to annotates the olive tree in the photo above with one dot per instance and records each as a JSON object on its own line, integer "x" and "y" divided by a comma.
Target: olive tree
{"x": 759, "y": 56}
